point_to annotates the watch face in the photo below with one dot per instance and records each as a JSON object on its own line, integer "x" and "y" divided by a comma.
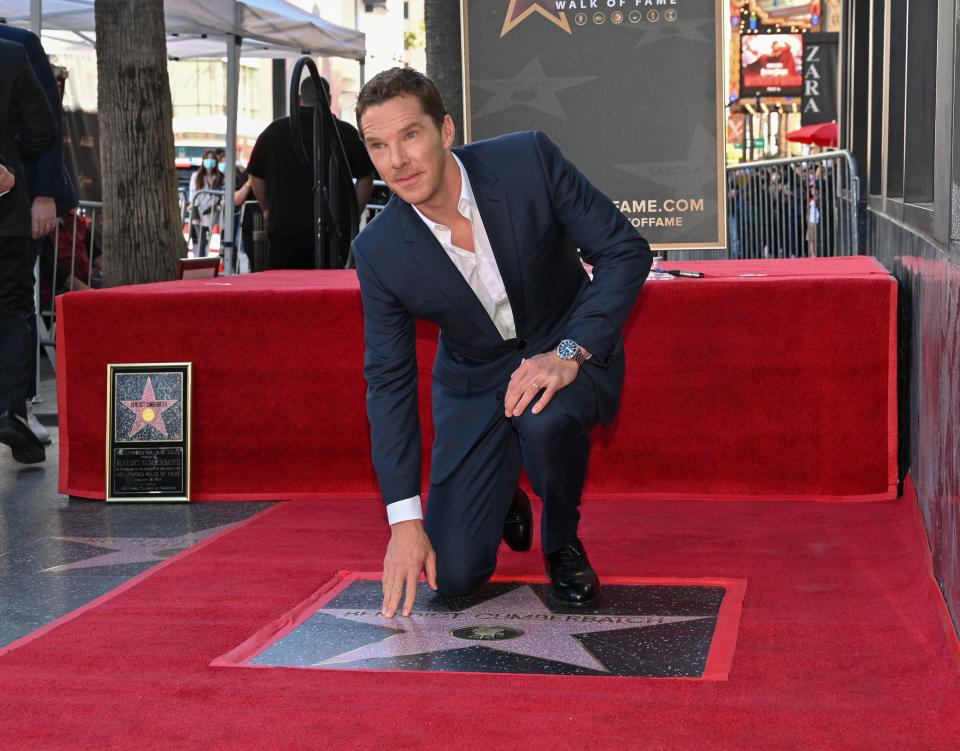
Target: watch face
{"x": 567, "y": 349}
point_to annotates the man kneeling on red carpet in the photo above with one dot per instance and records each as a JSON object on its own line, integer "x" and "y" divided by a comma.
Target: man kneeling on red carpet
{"x": 483, "y": 240}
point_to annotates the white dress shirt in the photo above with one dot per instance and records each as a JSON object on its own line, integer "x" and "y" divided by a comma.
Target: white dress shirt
{"x": 481, "y": 272}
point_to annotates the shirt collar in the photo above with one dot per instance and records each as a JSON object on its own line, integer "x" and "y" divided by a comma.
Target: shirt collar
{"x": 464, "y": 205}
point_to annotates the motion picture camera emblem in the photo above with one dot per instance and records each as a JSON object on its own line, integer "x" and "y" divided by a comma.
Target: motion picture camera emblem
{"x": 486, "y": 633}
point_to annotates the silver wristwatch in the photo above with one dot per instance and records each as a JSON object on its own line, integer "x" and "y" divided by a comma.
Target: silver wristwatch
{"x": 570, "y": 350}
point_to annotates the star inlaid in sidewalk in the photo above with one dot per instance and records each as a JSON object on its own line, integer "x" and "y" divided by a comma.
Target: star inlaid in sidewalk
{"x": 517, "y": 622}
{"x": 134, "y": 549}
{"x": 531, "y": 87}
{"x": 519, "y": 10}
{"x": 149, "y": 410}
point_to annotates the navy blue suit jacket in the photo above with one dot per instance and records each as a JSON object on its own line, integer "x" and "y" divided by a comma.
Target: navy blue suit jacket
{"x": 538, "y": 209}
{"x": 47, "y": 175}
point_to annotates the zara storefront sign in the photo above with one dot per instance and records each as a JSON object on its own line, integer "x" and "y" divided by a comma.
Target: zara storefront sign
{"x": 630, "y": 90}
{"x": 819, "y": 79}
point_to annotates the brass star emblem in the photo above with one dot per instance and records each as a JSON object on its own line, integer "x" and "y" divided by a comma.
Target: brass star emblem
{"x": 520, "y": 10}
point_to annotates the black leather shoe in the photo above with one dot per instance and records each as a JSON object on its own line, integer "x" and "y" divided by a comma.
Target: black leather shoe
{"x": 518, "y": 526}
{"x": 572, "y": 580}
{"x": 26, "y": 447}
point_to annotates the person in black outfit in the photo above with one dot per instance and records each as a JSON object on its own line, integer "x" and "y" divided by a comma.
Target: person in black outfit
{"x": 284, "y": 187}
{"x": 27, "y": 129}
{"x": 52, "y": 194}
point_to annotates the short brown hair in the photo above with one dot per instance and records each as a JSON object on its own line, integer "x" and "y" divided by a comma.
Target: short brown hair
{"x": 399, "y": 82}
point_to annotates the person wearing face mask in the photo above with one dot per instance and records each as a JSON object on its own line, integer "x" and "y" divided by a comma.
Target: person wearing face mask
{"x": 204, "y": 208}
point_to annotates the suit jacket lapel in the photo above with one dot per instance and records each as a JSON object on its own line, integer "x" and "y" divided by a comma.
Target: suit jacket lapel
{"x": 433, "y": 259}
{"x": 495, "y": 210}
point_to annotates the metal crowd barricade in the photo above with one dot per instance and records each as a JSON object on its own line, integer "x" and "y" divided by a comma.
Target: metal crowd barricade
{"x": 795, "y": 207}
{"x": 182, "y": 203}
{"x": 89, "y": 213}
{"x": 203, "y": 203}
{"x": 374, "y": 207}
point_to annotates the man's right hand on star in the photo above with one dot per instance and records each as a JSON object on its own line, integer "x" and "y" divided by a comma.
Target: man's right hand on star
{"x": 408, "y": 553}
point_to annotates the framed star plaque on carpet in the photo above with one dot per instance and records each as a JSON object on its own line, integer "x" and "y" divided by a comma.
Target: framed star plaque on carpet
{"x": 148, "y": 432}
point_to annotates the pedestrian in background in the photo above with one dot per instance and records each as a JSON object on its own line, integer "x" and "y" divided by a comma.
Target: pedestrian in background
{"x": 204, "y": 207}
{"x": 813, "y": 223}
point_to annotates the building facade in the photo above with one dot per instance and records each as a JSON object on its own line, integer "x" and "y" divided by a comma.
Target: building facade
{"x": 900, "y": 116}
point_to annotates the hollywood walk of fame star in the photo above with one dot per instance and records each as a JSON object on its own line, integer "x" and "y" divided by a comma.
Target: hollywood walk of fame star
{"x": 134, "y": 549}
{"x": 531, "y": 87}
{"x": 516, "y": 622}
{"x": 149, "y": 410}
{"x": 519, "y": 10}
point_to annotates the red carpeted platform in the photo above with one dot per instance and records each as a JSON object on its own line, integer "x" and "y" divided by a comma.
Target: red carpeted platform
{"x": 842, "y": 645}
{"x": 765, "y": 380}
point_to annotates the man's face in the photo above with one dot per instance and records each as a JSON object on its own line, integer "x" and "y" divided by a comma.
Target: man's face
{"x": 408, "y": 149}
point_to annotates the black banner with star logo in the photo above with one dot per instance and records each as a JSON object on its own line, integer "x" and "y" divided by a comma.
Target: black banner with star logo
{"x": 631, "y": 91}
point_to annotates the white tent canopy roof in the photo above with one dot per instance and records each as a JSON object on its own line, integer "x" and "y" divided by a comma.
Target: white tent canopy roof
{"x": 270, "y": 28}
{"x": 179, "y": 46}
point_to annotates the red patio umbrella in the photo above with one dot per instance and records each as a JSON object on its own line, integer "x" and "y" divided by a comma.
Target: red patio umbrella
{"x": 820, "y": 134}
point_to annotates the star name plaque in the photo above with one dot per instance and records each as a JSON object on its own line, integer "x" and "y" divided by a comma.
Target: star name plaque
{"x": 148, "y": 432}
{"x": 638, "y": 627}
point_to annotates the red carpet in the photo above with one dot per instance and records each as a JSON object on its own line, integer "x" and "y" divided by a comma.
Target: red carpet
{"x": 767, "y": 379}
{"x": 842, "y": 645}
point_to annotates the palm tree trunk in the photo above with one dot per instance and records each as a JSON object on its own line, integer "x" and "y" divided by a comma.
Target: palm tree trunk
{"x": 142, "y": 237}
{"x": 441, "y": 20}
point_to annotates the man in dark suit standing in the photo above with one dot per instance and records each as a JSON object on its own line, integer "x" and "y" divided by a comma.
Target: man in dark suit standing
{"x": 27, "y": 129}
{"x": 483, "y": 240}
{"x": 51, "y": 191}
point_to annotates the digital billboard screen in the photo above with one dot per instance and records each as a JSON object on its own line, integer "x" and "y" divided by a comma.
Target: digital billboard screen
{"x": 771, "y": 65}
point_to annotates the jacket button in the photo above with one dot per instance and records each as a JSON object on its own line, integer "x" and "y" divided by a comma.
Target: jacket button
{"x": 499, "y": 396}
{"x": 521, "y": 344}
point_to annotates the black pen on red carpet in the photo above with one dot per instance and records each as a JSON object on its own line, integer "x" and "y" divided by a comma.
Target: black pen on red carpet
{"x": 685, "y": 274}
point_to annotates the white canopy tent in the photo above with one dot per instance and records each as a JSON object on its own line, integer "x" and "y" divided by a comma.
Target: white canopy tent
{"x": 273, "y": 28}
{"x": 275, "y": 23}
